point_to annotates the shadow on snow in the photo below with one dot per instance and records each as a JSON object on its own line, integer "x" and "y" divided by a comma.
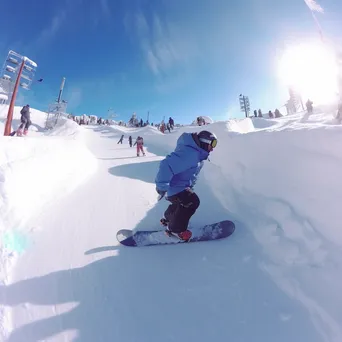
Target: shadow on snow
{"x": 145, "y": 171}
{"x": 200, "y": 292}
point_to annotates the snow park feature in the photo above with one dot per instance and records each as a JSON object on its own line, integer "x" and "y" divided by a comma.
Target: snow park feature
{"x": 66, "y": 194}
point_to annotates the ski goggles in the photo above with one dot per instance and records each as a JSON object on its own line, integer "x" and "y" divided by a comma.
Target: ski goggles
{"x": 212, "y": 143}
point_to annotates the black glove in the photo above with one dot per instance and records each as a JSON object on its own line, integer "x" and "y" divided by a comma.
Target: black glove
{"x": 161, "y": 193}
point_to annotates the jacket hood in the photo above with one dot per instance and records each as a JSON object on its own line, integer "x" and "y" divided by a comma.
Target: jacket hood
{"x": 186, "y": 139}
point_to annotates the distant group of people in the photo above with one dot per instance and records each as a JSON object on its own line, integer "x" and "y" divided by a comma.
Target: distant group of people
{"x": 271, "y": 115}
{"x": 277, "y": 114}
{"x": 139, "y": 142}
{"x": 169, "y": 126}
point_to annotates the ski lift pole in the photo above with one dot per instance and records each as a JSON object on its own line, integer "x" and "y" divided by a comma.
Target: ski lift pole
{"x": 61, "y": 90}
{"x": 245, "y": 106}
{"x": 7, "y": 130}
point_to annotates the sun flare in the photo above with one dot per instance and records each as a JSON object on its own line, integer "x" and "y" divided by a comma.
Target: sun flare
{"x": 312, "y": 70}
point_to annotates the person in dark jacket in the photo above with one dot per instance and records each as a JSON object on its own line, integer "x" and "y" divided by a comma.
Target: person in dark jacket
{"x": 120, "y": 141}
{"x": 177, "y": 177}
{"x": 277, "y": 113}
{"x": 25, "y": 120}
{"x": 171, "y": 122}
{"x": 130, "y": 141}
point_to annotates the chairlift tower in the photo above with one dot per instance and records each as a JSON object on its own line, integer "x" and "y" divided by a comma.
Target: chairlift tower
{"x": 56, "y": 109}
{"x": 10, "y": 71}
{"x": 17, "y": 71}
{"x": 295, "y": 102}
{"x": 244, "y": 104}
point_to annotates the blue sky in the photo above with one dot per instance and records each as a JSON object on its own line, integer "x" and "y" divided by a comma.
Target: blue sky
{"x": 170, "y": 57}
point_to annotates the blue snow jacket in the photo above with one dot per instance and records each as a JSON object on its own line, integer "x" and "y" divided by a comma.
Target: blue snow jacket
{"x": 179, "y": 170}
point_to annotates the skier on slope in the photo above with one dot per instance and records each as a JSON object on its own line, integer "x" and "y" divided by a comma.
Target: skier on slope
{"x": 177, "y": 176}
{"x": 140, "y": 144}
{"x": 120, "y": 141}
{"x": 25, "y": 120}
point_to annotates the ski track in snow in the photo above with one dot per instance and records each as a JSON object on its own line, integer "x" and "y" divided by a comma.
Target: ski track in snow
{"x": 277, "y": 278}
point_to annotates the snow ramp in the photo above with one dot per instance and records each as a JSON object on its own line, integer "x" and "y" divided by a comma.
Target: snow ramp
{"x": 35, "y": 171}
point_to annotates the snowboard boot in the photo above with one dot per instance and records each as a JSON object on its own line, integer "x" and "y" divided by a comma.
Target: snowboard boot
{"x": 25, "y": 131}
{"x": 20, "y": 132}
{"x": 185, "y": 236}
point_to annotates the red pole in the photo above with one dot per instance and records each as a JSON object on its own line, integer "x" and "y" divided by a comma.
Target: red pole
{"x": 11, "y": 106}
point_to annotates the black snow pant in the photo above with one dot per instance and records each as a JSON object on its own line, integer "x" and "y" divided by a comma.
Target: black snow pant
{"x": 120, "y": 141}
{"x": 25, "y": 122}
{"x": 183, "y": 206}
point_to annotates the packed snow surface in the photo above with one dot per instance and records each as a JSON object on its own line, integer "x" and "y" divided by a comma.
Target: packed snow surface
{"x": 277, "y": 278}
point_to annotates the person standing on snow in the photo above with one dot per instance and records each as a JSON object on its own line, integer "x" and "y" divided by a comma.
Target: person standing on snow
{"x": 177, "y": 176}
{"x": 309, "y": 106}
{"x": 25, "y": 120}
{"x": 120, "y": 141}
{"x": 140, "y": 144}
{"x": 130, "y": 141}
{"x": 171, "y": 122}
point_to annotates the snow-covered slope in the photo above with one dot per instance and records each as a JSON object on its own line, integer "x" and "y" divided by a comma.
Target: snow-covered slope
{"x": 35, "y": 170}
{"x": 278, "y": 278}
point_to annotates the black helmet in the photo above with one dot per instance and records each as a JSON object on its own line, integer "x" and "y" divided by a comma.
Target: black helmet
{"x": 207, "y": 138}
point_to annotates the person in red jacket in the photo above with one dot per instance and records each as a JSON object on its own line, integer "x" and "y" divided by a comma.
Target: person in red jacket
{"x": 140, "y": 144}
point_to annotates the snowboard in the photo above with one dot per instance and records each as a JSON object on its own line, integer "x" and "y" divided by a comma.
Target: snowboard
{"x": 209, "y": 232}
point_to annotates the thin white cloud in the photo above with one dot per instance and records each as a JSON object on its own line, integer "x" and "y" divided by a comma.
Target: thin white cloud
{"x": 50, "y": 31}
{"x": 141, "y": 25}
{"x": 58, "y": 22}
{"x": 163, "y": 45}
{"x": 152, "y": 61}
{"x": 105, "y": 8}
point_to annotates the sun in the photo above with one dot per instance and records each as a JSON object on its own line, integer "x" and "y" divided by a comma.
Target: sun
{"x": 311, "y": 69}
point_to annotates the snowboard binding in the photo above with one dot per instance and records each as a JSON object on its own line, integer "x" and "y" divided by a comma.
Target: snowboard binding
{"x": 164, "y": 222}
{"x": 185, "y": 236}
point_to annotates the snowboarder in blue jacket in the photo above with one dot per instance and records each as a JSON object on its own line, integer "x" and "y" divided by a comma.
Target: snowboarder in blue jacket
{"x": 177, "y": 176}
